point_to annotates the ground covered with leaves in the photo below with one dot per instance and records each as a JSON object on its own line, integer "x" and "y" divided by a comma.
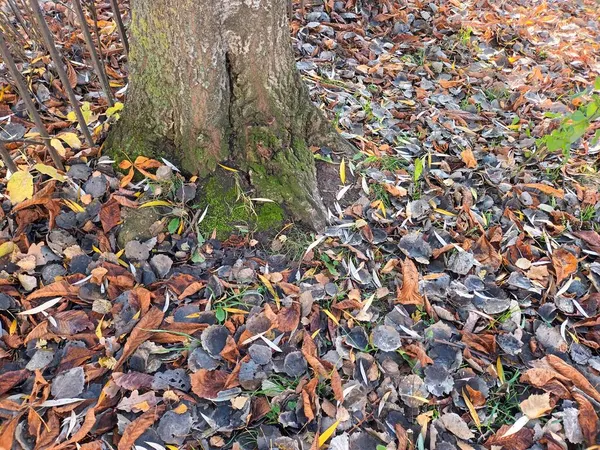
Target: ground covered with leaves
{"x": 453, "y": 303}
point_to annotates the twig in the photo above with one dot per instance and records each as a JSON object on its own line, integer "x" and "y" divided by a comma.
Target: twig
{"x": 98, "y": 66}
{"x": 120, "y": 27}
{"x": 8, "y": 161}
{"x": 58, "y": 61}
{"x": 24, "y": 93}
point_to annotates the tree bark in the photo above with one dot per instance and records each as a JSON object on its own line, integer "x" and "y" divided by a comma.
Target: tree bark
{"x": 214, "y": 82}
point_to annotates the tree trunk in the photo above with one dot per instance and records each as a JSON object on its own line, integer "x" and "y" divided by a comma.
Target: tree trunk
{"x": 214, "y": 82}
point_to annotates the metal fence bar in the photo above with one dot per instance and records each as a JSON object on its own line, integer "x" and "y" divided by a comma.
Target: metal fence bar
{"x": 58, "y": 61}
{"x": 98, "y": 65}
{"x": 25, "y": 96}
{"x": 114, "y": 4}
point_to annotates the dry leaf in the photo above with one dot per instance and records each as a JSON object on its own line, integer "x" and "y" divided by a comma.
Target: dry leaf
{"x": 536, "y": 406}
{"x": 468, "y": 158}
{"x": 588, "y": 419}
{"x": 409, "y": 293}
{"x": 565, "y": 264}
{"x": 136, "y": 428}
{"x": 140, "y": 334}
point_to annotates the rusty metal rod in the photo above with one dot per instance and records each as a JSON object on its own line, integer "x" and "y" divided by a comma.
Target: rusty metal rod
{"x": 6, "y": 158}
{"x": 114, "y": 4}
{"x": 58, "y": 61}
{"x": 25, "y": 96}
{"x": 98, "y": 66}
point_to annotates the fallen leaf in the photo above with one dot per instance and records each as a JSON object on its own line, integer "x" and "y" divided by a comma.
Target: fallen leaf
{"x": 409, "y": 293}
{"x": 151, "y": 320}
{"x": 536, "y": 406}
{"x": 564, "y": 263}
{"x": 468, "y": 158}
{"x": 20, "y": 186}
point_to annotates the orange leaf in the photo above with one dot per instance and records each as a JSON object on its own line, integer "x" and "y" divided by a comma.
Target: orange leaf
{"x": 140, "y": 334}
{"x": 136, "y": 428}
{"x": 468, "y": 158}
{"x": 546, "y": 189}
{"x": 409, "y": 293}
{"x": 127, "y": 178}
{"x": 565, "y": 264}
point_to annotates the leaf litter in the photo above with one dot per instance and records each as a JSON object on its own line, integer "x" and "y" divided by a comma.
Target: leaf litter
{"x": 453, "y": 301}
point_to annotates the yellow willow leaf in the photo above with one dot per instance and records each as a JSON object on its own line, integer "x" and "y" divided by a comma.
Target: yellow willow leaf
{"x": 56, "y": 144}
{"x": 500, "y": 371}
{"x": 314, "y": 335}
{"x": 99, "y": 328}
{"x": 328, "y": 433}
{"x": 73, "y": 206}
{"x": 13, "y": 327}
{"x": 155, "y": 203}
{"x": 50, "y": 171}
{"x": 120, "y": 253}
{"x": 343, "y": 171}
{"x": 231, "y": 169}
{"x": 71, "y": 140}
{"x": 471, "y": 409}
{"x": 96, "y": 249}
{"x": 331, "y": 316}
{"x": 235, "y": 311}
{"x": 20, "y": 186}
{"x": 136, "y": 316}
{"x": 444, "y": 212}
{"x": 6, "y": 248}
{"x": 270, "y": 288}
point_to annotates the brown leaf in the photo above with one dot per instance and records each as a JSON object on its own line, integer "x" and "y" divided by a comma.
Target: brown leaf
{"x": 468, "y": 158}
{"x": 549, "y": 190}
{"x": 485, "y": 253}
{"x": 588, "y": 419}
{"x": 409, "y": 293}
{"x": 140, "y": 334}
{"x": 484, "y": 343}
{"x": 402, "y": 437}
{"x": 590, "y": 237}
{"x": 127, "y": 178}
{"x": 7, "y": 432}
{"x": 72, "y": 75}
{"x": 336, "y": 385}
{"x": 521, "y": 440}
{"x": 136, "y": 428}
{"x": 60, "y": 288}
{"x": 70, "y": 322}
{"x": 574, "y": 376}
{"x": 417, "y": 351}
{"x": 133, "y": 380}
{"x": 8, "y": 380}
{"x": 110, "y": 214}
{"x": 288, "y": 318}
{"x": 208, "y": 383}
{"x": 565, "y": 264}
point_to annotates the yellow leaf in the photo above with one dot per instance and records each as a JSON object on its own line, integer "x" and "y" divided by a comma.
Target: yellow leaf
{"x": 13, "y": 327}
{"x": 120, "y": 253}
{"x": 6, "y": 248}
{"x": 270, "y": 288}
{"x": 50, "y": 171}
{"x": 55, "y": 143}
{"x": 99, "y": 328}
{"x": 328, "y": 433}
{"x": 471, "y": 409}
{"x": 231, "y": 169}
{"x": 172, "y": 447}
{"x": 108, "y": 362}
{"x": 155, "y": 203}
{"x": 136, "y": 316}
{"x": 73, "y": 206}
{"x": 314, "y": 335}
{"x": 181, "y": 409}
{"x": 500, "y": 371}
{"x": 114, "y": 109}
{"x": 20, "y": 186}
{"x": 331, "y": 316}
{"x": 70, "y": 139}
{"x": 343, "y": 171}
{"x": 235, "y": 311}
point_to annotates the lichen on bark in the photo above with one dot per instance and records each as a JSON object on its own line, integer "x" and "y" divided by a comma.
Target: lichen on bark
{"x": 214, "y": 82}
